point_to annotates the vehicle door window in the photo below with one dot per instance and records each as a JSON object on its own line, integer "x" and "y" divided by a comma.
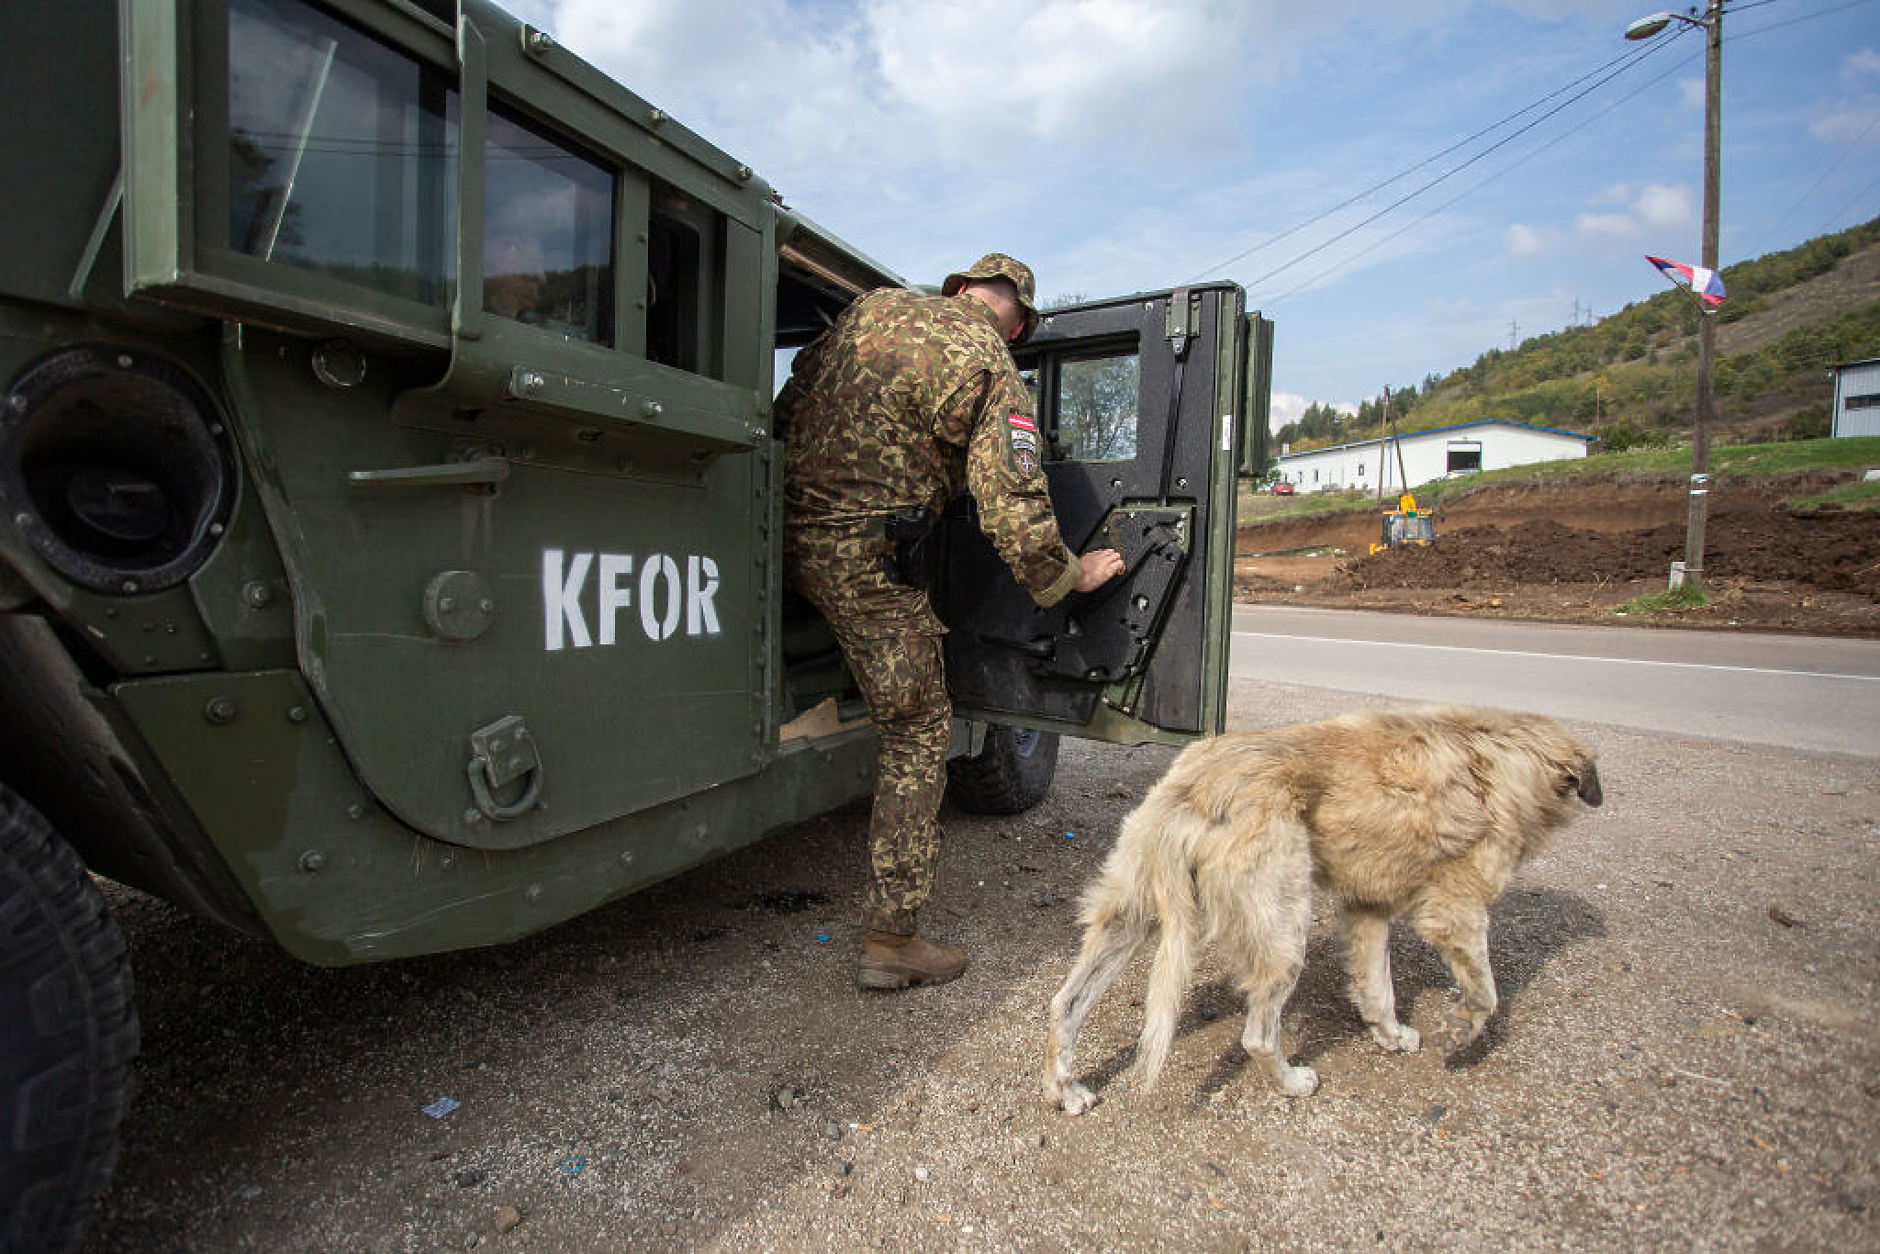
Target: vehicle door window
{"x": 1096, "y": 407}
{"x": 1087, "y": 403}
{"x": 342, "y": 152}
{"x": 548, "y": 234}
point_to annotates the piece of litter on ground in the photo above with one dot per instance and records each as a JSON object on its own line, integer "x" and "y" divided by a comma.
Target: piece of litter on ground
{"x": 441, "y": 1107}
{"x": 1070, "y": 835}
{"x": 572, "y": 1165}
{"x": 822, "y": 938}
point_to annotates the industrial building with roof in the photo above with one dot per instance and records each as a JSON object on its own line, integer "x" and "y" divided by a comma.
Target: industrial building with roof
{"x": 1857, "y": 398}
{"x": 1425, "y": 456}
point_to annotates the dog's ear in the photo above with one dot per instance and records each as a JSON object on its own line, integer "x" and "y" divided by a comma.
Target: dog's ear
{"x": 1586, "y": 783}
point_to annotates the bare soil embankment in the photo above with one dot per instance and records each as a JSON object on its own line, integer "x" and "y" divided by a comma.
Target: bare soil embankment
{"x": 1575, "y": 551}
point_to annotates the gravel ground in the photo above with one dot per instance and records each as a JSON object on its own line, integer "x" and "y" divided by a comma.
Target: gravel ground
{"x": 1688, "y": 1056}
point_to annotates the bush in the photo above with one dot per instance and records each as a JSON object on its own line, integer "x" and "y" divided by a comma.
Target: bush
{"x": 1807, "y": 424}
{"x": 1617, "y": 437}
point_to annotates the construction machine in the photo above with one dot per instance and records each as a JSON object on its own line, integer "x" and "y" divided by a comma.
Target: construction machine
{"x": 1406, "y": 525}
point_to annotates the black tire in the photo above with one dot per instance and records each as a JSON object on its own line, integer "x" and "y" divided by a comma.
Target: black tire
{"x": 68, "y": 1035}
{"x": 1010, "y": 775}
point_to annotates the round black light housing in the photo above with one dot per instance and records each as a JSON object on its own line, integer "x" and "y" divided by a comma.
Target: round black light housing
{"x": 115, "y": 468}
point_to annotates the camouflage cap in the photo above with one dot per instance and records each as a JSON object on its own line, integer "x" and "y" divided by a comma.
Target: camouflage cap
{"x": 1000, "y": 266}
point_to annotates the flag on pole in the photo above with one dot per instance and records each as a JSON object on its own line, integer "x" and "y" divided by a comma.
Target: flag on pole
{"x": 1707, "y": 285}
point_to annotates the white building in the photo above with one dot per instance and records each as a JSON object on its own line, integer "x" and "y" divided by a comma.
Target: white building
{"x": 1857, "y": 398}
{"x": 1429, "y": 455}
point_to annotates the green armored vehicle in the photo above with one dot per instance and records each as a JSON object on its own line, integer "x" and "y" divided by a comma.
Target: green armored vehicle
{"x": 389, "y": 512}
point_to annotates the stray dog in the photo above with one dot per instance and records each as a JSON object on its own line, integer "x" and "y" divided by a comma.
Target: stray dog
{"x": 1423, "y": 812}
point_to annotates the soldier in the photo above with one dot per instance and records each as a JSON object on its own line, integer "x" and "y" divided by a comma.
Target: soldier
{"x": 905, "y": 402}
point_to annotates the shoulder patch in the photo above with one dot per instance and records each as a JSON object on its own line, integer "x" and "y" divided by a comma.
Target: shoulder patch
{"x": 1022, "y": 439}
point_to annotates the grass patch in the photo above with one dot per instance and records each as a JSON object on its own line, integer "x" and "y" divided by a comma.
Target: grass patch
{"x": 1688, "y": 597}
{"x": 1862, "y": 495}
{"x": 1743, "y": 462}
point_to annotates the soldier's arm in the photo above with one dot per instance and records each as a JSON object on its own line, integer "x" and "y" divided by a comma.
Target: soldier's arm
{"x": 1004, "y": 474}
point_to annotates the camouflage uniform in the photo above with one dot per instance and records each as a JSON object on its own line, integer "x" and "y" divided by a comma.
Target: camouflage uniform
{"x": 907, "y": 401}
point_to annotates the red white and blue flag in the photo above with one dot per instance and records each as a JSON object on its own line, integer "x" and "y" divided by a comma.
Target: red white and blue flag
{"x": 1707, "y": 285}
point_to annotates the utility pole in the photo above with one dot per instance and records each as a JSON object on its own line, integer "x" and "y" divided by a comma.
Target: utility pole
{"x": 1706, "y": 315}
{"x": 1690, "y": 572}
{"x": 1383, "y": 449}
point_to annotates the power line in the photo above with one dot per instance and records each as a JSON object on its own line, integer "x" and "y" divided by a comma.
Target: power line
{"x": 1819, "y": 178}
{"x": 1622, "y": 60}
{"x": 1656, "y": 44}
{"x": 1455, "y": 170}
{"x": 1516, "y": 164}
{"x": 1841, "y": 213}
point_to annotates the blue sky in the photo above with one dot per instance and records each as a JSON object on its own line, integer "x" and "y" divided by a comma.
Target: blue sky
{"x": 1128, "y": 145}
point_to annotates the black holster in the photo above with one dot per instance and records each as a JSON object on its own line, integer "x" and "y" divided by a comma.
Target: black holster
{"x": 914, "y": 561}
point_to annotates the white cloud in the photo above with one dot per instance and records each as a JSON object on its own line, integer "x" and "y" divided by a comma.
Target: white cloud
{"x": 1116, "y": 72}
{"x": 1524, "y": 241}
{"x": 1862, "y": 64}
{"x": 1655, "y": 209}
{"x": 1664, "y": 205}
{"x": 1846, "y": 125}
{"x": 781, "y": 84}
{"x": 1285, "y": 407}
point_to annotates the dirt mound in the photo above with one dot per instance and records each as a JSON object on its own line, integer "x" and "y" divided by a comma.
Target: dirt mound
{"x": 1830, "y": 550}
{"x": 1575, "y": 551}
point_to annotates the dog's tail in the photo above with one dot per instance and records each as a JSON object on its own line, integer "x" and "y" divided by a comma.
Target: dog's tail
{"x": 1169, "y": 882}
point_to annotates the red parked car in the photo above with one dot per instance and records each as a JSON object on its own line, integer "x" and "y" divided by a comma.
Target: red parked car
{"x": 1282, "y": 488}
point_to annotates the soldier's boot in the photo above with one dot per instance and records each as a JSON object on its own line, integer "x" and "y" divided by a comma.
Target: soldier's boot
{"x": 892, "y": 961}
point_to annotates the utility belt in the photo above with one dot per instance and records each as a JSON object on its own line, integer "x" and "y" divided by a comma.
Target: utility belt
{"x": 914, "y": 558}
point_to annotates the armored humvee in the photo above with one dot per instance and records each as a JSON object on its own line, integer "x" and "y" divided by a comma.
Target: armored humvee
{"x": 389, "y": 512}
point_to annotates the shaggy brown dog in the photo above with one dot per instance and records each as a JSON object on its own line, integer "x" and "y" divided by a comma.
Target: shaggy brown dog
{"x": 1424, "y": 813}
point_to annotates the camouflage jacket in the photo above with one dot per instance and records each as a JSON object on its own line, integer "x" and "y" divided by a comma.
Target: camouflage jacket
{"x": 909, "y": 400}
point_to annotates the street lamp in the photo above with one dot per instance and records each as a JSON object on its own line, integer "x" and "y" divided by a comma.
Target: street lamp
{"x": 1691, "y": 570}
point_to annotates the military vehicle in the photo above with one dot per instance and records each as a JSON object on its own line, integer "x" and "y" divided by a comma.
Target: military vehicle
{"x": 389, "y": 512}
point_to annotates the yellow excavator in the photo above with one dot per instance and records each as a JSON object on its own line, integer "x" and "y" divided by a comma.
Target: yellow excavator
{"x": 1406, "y": 525}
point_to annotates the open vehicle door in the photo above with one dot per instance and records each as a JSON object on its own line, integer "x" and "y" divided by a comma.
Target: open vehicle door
{"x": 1144, "y": 404}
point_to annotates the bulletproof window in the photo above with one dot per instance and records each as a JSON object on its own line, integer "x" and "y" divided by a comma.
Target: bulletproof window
{"x": 1464, "y": 455}
{"x": 684, "y": 244}
{"x": 548, "y": 232}
{"x": 342, "y": 152}
{"x": 1092, "y": 401}
{"x": 1096, "y": 407}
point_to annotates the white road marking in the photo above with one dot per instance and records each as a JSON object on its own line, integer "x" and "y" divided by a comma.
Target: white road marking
{"x": 1554, "y": 657}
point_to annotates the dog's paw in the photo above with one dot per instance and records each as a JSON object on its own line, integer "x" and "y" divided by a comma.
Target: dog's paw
{"x": 1397, "y": 1038}
{"x": 1461, "y": 1027}
{"x": 1076, "y": 1099}
{"x": 1299, "y": 1082}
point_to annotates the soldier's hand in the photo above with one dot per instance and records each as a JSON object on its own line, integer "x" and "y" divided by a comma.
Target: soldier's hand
{"x": 1099, "y": 567}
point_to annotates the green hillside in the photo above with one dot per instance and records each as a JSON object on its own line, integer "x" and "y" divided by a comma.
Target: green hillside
{"x": 1631, "y": 378}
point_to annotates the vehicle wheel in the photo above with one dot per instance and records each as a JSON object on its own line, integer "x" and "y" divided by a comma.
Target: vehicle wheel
{"x": 68, "y": 1034}
{"x": 1011, "y": 774}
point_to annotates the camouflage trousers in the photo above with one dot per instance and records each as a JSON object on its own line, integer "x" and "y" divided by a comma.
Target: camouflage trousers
{"x": 891, "y": 641}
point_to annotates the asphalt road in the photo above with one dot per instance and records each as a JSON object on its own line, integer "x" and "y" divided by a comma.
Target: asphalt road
{"x": 1797, "y": 692}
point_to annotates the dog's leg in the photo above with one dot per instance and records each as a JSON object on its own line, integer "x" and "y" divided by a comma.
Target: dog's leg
{"x": 1367, "y": 957}
{"x": 1270, "y": 938}
{"x": 1162, "y": 999}
{"x": 1461, "y": 935}
{"x": 1108, "y": 946}
{"x": 1266, "y": 996}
